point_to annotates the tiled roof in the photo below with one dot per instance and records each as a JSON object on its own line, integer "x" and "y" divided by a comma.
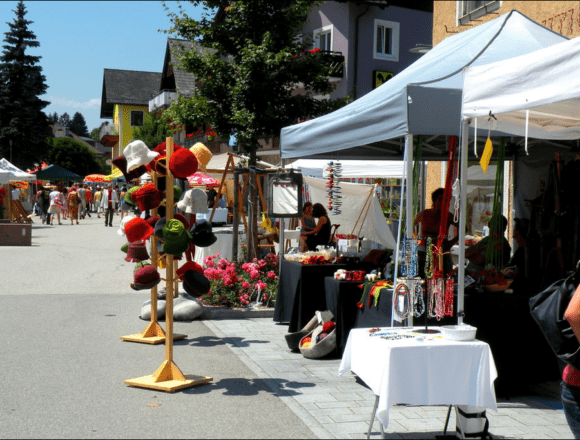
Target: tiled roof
{"x": 127, "y": 87}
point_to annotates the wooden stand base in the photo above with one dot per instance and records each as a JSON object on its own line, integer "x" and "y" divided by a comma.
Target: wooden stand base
{"x": 153, "y": 335}
{"x": 168, "y": 378}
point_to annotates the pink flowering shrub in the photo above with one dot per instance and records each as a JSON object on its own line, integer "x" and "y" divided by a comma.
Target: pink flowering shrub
{"x": 237, "y": 284}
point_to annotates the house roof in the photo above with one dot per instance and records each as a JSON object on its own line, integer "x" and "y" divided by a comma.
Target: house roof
{"x": 127, "y": 87}
{"x": 173, "y": 76}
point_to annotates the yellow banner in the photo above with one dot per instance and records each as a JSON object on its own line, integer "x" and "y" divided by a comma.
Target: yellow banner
{"x": 486, "y": 156}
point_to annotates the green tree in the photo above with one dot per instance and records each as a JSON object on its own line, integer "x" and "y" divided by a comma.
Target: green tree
{"x": 24, "y": 127}
{"x": 53, "y": 118}
{"x": 95, "y": 134}
{"x": 74, "y": 156}
{"x": 78, "y": 125}
{"x": 154, "y": 130}
{"x": 64, "y": 120}
{"x": 249, "y": 64}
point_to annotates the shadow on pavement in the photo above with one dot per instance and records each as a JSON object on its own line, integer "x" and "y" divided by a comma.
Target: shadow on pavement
{"x": 250, "y": 387}
{"x": 214, "y": 341}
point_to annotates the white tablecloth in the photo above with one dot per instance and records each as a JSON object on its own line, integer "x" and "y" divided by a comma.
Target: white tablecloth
{"x": 220, "y": 216}
{"x": 431, "y": 372}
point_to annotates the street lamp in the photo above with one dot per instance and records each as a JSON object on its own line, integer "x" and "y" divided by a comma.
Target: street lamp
{"x": 421, "y": 49}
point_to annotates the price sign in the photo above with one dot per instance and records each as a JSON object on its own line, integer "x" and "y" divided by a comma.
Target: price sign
{"x": 486, "y": 156}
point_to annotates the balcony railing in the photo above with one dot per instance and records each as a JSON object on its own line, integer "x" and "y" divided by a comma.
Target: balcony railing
{"x": 336, "y": 62}
{"x": 162, "y": 100}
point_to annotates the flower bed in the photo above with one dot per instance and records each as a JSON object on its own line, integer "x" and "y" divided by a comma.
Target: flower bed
{"x": 237, "y": 284}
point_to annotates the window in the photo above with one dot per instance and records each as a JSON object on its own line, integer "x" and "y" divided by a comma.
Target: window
{"x": 470, "y": 10}
{"x": 386, "y": 40}
{"x": 136, "y": 118}
{"x": 323, "y": 38}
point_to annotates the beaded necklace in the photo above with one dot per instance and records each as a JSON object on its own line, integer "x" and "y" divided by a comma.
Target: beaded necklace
{"x": 419, "y": 302}
{"x": 402, "y": 294}
{"x": 449, "y": 297}
{"x": 429, "y": 269}
{"x": 413, "y": 264}
{"x": 439, "y": 298}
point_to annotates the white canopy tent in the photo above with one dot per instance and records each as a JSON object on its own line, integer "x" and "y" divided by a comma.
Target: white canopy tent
{"x": 359, "y": 199}
{"x": 352, "y": 168}
{"x": 11, "y": 173}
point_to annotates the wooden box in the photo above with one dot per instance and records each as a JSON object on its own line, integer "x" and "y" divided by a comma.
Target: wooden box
{"x": 15, "y": 234}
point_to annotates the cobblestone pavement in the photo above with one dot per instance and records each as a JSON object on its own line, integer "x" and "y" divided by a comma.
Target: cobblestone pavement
{"x": 338, "y": 407}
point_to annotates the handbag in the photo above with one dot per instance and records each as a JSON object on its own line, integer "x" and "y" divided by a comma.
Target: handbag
{"x": 548, "y": 308}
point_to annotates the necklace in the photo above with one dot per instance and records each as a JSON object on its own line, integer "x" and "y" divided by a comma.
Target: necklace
{"x": 401, "y": 301}
{"x": 439, "y": 298}
{"x": 429, "y": 270}
{"x": 419, "y": 302}
{"x": 412, "y": 271}
{"x": 448, "y": 297}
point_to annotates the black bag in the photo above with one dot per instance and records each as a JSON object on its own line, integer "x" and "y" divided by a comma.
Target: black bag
{"x": 548, "y": 308}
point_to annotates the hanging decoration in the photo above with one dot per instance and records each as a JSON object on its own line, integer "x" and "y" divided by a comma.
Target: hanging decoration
{"x": 334, "y": 170}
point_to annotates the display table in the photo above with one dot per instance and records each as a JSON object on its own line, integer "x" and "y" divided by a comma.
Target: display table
{"x": 220, "y": 216}
{"x": 421, "y": 372}
{"x": 223, "y": 245}
{"x": 301, "y": 292}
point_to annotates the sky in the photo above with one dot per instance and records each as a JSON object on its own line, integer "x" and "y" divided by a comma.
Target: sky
{"x": 79, "y": 39}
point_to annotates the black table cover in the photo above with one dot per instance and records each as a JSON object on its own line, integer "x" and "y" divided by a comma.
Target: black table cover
{"x": 301, "y": 292}
{"x": 341, "y": 300}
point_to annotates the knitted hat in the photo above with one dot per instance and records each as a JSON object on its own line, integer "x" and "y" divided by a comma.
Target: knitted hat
{"x": 176, "y": 238}
{"x": 125, "y": 247}
{"x": 162, "y": 148}
{"x": 182, "y": 219}
{"x": 145, "y": 278}
{"x": 121, "y": 163}
{"x": 137, "y": 153}
{"x": 190, "y": 265}
{"x": 195, "y": 284}
{"x": 152, "y": 220}
{"x": 201, "y": 234}
{"x": 137, "y": 229}
{"x": 129, "y": 196}
{"x": 139, "y": 265}
{"x": 202, "y": 154}
{"x": 148, "y": 197}
{"x": 121, "y": 230}
{"x": 194, "y": 201}
{"x": 137, "y": 252}
{"x": 158, "y": 228}
{"x": 183, "y": 163}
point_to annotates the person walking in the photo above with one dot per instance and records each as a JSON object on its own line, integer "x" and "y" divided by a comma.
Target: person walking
{"x": 89, "y": 200}
{"x": 82, "y": 192}
{"x": 73, "y": 205}
{"x": 64, "y": 193}
{"x": 109, "y": 200}
{"x": 55, "y": 205}
{"x": 570, "y": 386}
{"x": 97, "y": 201}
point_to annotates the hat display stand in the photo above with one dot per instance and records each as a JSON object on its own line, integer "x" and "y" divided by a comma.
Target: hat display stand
{"x": 168, "y": 377}
{"x": 153, "y": 333}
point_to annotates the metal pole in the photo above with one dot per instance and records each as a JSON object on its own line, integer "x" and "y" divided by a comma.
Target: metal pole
{"x": 281, "y": 247}
{"x": 235, "y": 219}
{"x": 462, "y": 220}
{"x": 409, "y": 204}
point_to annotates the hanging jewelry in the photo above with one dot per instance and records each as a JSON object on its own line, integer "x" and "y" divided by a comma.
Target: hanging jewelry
{"x": 429, "y": 269}
{"x": 431, "y": 295}
{"x": 401, "y": 301}
{"x": 439, "y": 298}
{"x": 413, "y": 264}
{"x": 449, "y": 297}
{"x": 404, "y": 258}
{"x": 419, "y": 302}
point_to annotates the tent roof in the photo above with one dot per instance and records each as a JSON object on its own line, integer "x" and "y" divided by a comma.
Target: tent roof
{"x": 423, "y": 99}
{"x": 545, "y": 82}
{"x": 11, "y": 173}
{"x": 56, "y": 172}
{"x": 219, "y": 162}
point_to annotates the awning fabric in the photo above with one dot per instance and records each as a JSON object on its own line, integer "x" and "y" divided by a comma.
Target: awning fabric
{"x": 56, "y": 172}
{"x": 545, "y": 83}
{"x": 352, "y": 168}
{"x": 423, "y": 99}
{"x": 9, "y": 172}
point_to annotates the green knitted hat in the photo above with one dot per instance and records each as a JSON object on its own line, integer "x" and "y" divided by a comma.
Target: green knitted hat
{"x": 176, "y": 238}
{"x": 128, "y": 194}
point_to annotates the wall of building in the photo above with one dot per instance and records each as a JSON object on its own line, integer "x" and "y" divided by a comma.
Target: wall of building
{"x": 560, "y": 16}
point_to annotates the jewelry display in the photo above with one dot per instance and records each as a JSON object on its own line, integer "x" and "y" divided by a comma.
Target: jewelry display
{"x": 334, "y": 170}
{"x": 439, "y": 298}
{"x": 449, "y": 287}
{"x": 429, "y": 269}
{"x": 402, "y": 301}
{"x": 418, "y": 300}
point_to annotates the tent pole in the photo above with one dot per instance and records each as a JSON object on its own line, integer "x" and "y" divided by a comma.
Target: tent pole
{"x": 462, "y": 220}
{"x": 281, "y": 229}
{"x": 409, "y": 203}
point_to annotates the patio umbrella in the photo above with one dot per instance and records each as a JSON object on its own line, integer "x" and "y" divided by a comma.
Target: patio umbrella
{"x": 202, "y": 179}
{"x": 97, "y": 178}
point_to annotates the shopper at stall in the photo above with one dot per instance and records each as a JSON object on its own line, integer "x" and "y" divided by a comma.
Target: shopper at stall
{"x": 426, "y": 225}
{"x": 55, "y": 205}
{"x": 320, "y": 235}
{"x": 570, "y": 387}
{"x": 73, "y": 205}
{"x": 476, "y": 253}
{"x": 515, "y": 268}
{"x": 64, "y": 193}
{"x": 307, "y": 223}
{"x": 211, "y": 195}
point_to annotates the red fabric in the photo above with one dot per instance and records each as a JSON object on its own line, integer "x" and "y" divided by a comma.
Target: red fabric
{"x": 571, "y": 376}
{"x": 451, "y": 175}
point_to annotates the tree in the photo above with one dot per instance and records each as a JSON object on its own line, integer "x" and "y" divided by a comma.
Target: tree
{"x": 95, "y": 134}
{"x": 24, "y": 127}
{"x": 248, "y": 79}
{"x": 74, "y": 156}
{"x": 53, "y": 119}
{"x": 78, "y": 125}
{"x": 154, "y": 130}
{"x": 64, "y": 120}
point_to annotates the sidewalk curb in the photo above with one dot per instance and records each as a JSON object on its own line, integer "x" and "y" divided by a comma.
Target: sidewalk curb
{"x": 211, "y": 313}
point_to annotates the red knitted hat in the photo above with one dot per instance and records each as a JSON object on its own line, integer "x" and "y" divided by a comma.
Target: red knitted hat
{"x": 152, "y": 220}
{"x": 148, "y": 197}
{"x": 137, "y": 252}
{"x": 182, "y": 219}
{"x": 137, "y": 229}
{"x": 121, "y": 163}
{"x": 183, "y": 163}
{"x": 190, "y": 265}
{"x": 145, "y": 278}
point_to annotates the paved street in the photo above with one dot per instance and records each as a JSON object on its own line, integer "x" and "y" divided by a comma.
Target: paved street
{"x": 65, "y": 301}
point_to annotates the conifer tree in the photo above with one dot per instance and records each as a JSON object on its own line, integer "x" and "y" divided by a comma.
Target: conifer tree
{"x": 78, "y": 125}
{"x": 24, "y": 127}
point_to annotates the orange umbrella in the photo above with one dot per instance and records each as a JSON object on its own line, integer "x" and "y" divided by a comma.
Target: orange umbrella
{"x": 97, "y": 178}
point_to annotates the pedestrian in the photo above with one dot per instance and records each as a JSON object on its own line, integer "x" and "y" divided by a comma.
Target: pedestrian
{"x": 55, "y": 205}
{"x": 125, "y": 207}
{"x": 116, "y": 189}
{"x": 73, "y": 205}
{"x": 15, "y": 193}
{"x": 570, "y": 375}
{"x": 109, "y": 200}
{"x": 64, "y": 203}
{"x": 46, "y": 203}
{"x": 82, "y": 192}
{"x": 38, "y": 204}
{"x": 97, "y": 201}
{"x": 89, "y": 199}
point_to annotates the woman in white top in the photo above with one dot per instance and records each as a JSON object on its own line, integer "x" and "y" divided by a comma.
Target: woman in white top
{"x": 56, "y": 202}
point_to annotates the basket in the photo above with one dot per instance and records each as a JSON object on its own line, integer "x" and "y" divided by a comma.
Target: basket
{"x": 320, "y": 349}
{"x": 458, "y": 332}
{"x": 497, "y": 287}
